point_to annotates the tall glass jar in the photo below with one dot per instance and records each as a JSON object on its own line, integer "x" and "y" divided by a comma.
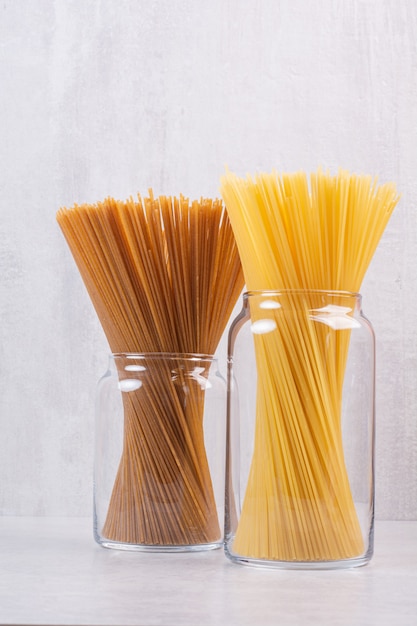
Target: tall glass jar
{"x": 160, "y": 453}
{"x": 300, "y": 435}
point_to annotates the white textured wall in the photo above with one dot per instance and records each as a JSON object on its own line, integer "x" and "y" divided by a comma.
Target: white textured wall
{"x": 109, "y": 97}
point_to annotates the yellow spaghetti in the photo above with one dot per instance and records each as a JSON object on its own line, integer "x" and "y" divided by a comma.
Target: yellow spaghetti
{"x": 163, "y": 275}
{"x": 297, "y": 237}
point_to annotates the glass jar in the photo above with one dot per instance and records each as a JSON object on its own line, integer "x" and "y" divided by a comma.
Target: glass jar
{"x": 300, "y": 434}
{"x": 160, "y": 453}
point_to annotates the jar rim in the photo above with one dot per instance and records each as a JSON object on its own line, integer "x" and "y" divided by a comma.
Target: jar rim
{"x": 179, "y": 356}
{"x": 278, "y": 292}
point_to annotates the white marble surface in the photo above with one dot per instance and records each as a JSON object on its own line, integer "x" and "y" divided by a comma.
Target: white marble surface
{"x": 52, "y": 572}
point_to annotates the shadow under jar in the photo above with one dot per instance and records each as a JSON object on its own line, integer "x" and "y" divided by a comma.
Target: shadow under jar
{"x": 160, "y": 453}
{"x": 300, "y": 434}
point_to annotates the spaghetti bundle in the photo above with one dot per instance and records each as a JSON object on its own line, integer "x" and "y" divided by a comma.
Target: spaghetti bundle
{"x": 163, "y": 275}
{"x": 299, "y": 239}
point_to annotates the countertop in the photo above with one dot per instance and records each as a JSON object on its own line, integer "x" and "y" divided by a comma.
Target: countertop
{"x": 52, "y": 572}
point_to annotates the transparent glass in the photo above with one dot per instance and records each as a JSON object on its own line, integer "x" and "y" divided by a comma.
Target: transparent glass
{"x": 300, "y": 431}
{"x": 160, "y": 453}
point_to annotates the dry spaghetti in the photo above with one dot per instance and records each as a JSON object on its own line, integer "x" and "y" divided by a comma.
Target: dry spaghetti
{"x": 295, "y": 236}
{"x": 163, "y": 275}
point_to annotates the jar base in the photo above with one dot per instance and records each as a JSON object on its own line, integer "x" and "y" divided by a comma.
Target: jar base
{"x": 359, "y": 561}
{"x": 134, "y": 547}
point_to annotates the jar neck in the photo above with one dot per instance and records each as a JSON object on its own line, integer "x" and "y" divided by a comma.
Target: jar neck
{"x": 303, "y": 298}
{"x": 162, "y": 361}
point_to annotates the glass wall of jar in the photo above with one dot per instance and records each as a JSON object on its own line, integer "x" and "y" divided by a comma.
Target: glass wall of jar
{"x": 300, "y": 441}
{"x": 160, "y": 453}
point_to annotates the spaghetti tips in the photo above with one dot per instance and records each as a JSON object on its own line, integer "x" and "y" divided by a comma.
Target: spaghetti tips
{"x": 308, "y": 247}
{"x": 164, "y": 275}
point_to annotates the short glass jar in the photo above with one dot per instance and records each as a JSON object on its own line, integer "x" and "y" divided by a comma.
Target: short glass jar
{"x": 160, "y": 453}
{"x": 300, "y": 441}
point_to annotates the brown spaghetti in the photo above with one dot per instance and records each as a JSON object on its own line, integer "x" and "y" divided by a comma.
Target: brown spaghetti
{"x": 163, "y": 275}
